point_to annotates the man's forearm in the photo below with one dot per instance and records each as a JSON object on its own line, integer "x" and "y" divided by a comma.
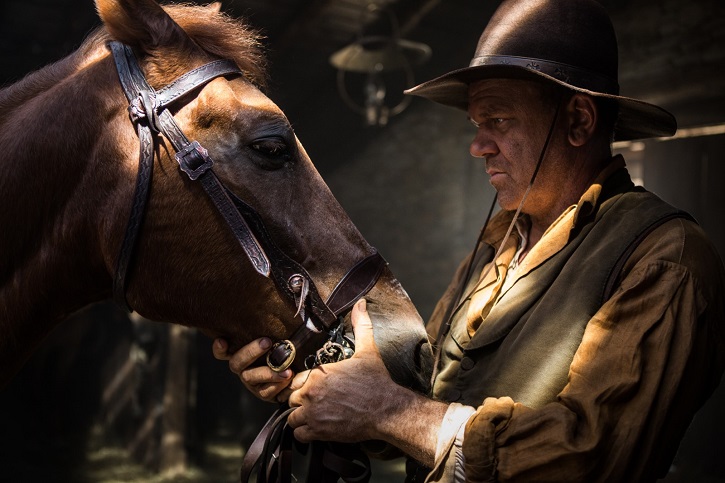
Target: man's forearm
{"x": 411, "y": 422}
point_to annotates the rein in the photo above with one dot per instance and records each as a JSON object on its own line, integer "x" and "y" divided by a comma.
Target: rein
{"x": 320, "y": 337}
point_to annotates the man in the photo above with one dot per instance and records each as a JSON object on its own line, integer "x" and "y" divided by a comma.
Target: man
{"x": 586, "y": 329}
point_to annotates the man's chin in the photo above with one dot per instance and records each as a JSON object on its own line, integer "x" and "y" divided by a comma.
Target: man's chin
{"x": 506, "y": 202}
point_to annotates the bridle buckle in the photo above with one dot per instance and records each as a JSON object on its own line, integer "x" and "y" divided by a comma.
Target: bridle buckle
{"x": 288, "y": 351}
{"x": 194, "y": 160}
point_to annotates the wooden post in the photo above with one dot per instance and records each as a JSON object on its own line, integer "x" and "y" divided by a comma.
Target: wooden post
{"x": 173, "y": 455}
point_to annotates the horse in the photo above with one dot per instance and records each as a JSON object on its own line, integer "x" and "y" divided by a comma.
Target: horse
{"x": 70, "y": 182}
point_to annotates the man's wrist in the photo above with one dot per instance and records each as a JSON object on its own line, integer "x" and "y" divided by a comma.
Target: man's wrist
{"x": 411, "y": 422}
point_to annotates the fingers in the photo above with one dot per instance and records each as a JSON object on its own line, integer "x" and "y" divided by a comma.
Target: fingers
{"x": 302, "y": 431}
{"x": 264, "y": 375}
{"x": 272, "y": 392}
{"x": 266, "y": 384}
{"x": 261, "y": 381}
{"x": 362, "y": 326}
{"x": 297, "y": 421}
{"x": 283, "y": 395}
{"x": 245, "y": 356}
{"x": 219, "y": 349}
{"x": 295, "y": 396}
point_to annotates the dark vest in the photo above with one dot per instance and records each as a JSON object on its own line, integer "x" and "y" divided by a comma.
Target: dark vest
{"x": 526, "y": 344}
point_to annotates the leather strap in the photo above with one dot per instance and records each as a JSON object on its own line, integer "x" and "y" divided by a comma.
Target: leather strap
{"x": 269, "y": 457}
{"x": 130, "y": 84}
{"x": 269, "y": 453}
{"x": 148, "y": 110}
{"x": 194, "y": 79}
{"x": 135, "y": 219}
{"x": 357, "y": 282}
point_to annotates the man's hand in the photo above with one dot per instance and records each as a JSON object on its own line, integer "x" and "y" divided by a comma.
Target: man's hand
{"x": 261, "y": 381}
{"x": 342, "y": 401}
{"x": 348, "y": 401}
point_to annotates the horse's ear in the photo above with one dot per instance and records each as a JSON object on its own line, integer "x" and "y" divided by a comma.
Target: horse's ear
{"x": 139, "y": 23}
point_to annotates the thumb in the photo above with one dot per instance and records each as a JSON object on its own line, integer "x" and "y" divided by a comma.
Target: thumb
{"x": 362, "y": 327}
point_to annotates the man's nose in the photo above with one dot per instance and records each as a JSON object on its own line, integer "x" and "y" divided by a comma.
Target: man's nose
{"x": 483, "y": 145}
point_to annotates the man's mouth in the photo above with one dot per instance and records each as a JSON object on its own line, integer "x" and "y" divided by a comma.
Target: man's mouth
{"x": 494, "y": 173}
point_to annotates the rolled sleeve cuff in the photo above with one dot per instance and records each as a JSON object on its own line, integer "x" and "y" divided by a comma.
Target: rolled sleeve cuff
{"x": 481, "y": 429}
{"x": 449, "y": 463}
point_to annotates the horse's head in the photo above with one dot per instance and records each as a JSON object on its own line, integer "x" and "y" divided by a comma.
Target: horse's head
{"x": 187, "y": 266}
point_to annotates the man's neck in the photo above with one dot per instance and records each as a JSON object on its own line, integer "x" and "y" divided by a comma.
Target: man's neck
{"x": 540, "y": 222}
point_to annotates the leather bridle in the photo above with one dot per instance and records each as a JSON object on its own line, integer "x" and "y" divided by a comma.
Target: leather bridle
{"x": 320, "y": 337}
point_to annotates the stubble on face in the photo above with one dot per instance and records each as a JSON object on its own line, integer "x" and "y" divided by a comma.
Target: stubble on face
{"x": 513, "y": 125}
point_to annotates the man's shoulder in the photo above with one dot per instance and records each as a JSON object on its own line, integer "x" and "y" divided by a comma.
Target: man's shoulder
{"x": 683, "y": 242}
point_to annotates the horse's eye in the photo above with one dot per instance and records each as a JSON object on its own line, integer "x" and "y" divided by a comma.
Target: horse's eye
{"x": 274, "y": 148}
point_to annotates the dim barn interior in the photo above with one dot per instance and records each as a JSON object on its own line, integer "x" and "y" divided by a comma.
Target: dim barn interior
{"x": 111, "y": 396}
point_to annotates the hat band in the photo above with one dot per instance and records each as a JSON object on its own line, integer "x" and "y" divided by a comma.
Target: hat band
{"x": 565, "y": 73}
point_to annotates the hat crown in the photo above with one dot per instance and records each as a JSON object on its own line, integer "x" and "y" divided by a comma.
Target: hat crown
{"x": 575, "y": 33}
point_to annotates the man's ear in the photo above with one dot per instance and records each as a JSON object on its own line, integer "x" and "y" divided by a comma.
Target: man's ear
{"x": 582, "y": 117}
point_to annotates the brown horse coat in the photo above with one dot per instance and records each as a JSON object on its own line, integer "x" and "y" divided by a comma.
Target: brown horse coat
{"x": 70, "y": 156}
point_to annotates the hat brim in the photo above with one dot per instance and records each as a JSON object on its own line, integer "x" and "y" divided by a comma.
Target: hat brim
{"x": 637, "y": 119}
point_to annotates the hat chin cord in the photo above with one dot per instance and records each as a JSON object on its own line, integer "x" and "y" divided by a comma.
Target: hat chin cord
{"x": 526, "y": 193}
{"x": 460, "y": 300}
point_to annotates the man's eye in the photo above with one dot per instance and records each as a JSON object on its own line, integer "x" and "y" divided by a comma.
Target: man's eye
{"x": 488, "y": 122}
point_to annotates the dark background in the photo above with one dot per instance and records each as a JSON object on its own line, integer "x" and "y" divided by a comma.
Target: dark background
{"x": 90, "y": 405}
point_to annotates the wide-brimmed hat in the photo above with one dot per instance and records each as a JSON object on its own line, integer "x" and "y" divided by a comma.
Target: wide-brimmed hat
{"x": 570, "y": 42}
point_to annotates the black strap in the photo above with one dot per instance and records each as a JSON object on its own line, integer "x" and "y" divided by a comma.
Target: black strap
{"x": 194, "y": 79}
{"x": 269, "y": 457}
{"x": 237, "y": 224}
{"x": 132, "y": 83}
{"x": 148, "y": 110}
{"x": 135, "y": 218}
{"x": 357, "y": 282}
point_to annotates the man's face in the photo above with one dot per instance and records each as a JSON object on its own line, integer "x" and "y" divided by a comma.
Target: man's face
{"x": 512, "y": 125}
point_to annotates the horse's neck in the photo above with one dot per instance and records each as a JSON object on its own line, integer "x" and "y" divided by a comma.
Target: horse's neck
{"x": 57, "y": 207}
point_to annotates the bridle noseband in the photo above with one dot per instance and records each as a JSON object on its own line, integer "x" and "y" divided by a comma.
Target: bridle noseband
{"x": 320, "y": 337}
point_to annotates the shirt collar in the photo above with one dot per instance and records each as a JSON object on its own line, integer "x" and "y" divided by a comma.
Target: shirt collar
{"x": 588, "y": 201}
{"x": 585, "y": 207}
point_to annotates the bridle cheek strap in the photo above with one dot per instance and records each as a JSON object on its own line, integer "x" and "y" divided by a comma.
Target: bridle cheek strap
{"x": 148, "y": 110}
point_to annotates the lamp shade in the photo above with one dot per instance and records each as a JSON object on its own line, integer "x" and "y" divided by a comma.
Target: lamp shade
{"x": 380, "y": 53}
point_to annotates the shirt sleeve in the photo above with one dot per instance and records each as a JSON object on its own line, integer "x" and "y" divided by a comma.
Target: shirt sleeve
{"x": 449, "y": 462}
{"x": 648, "y": 359}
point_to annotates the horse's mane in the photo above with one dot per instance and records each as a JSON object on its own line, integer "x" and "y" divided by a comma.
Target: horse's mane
{"x": 213, "y": 31}
{"x": 223, "y": 37}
